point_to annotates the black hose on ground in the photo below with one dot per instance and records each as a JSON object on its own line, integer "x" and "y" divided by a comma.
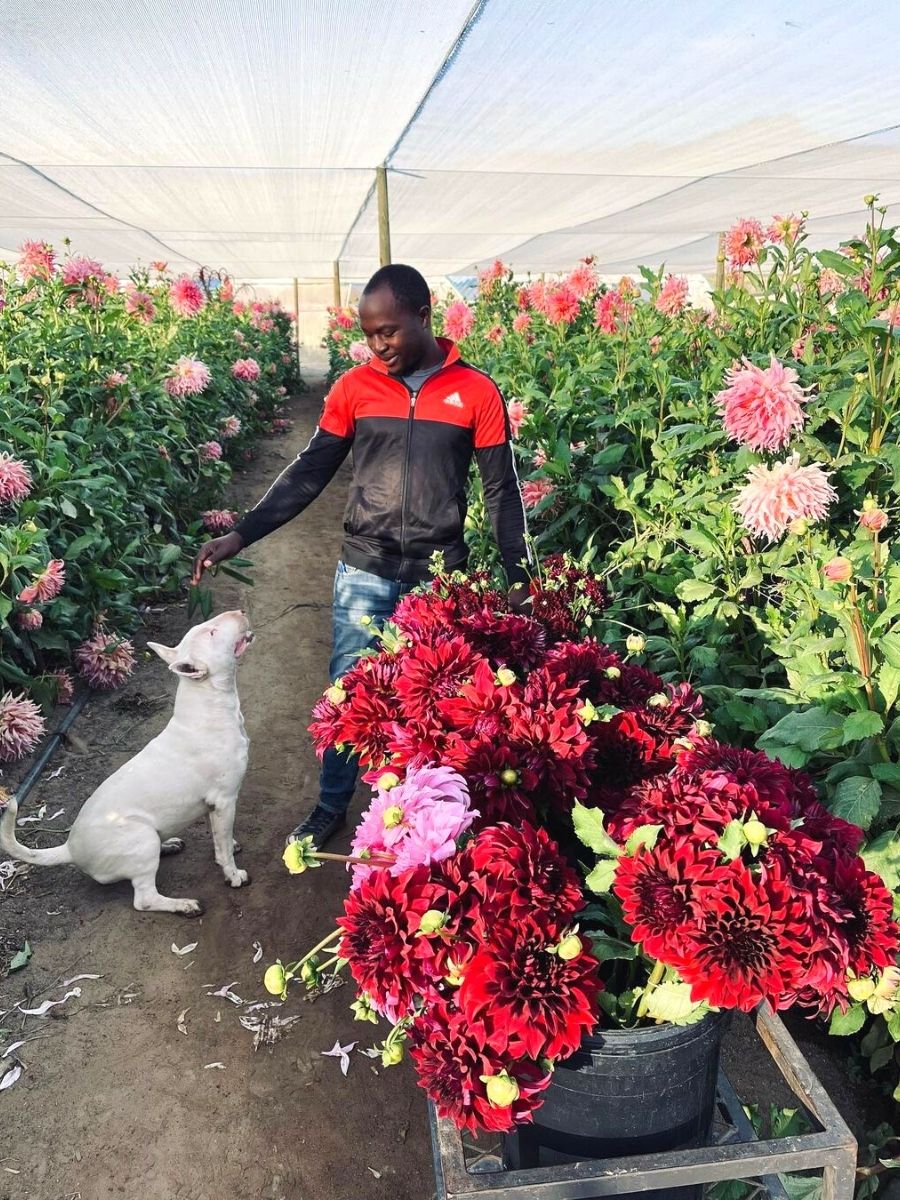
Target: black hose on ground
{"x": 52, "y": 745}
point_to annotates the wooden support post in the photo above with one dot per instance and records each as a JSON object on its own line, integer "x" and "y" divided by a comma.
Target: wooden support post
{"x": 297, "y": 317}
{"x": 720, "y": 263}
{"x": 384, "y": 219}
{"x": 336, "y": 276}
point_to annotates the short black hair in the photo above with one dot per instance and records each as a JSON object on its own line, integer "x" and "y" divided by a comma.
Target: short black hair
{"x": 407, "y": 284}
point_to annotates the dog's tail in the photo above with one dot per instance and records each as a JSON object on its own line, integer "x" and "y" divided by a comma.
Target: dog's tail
{"x": 11, "y": 845}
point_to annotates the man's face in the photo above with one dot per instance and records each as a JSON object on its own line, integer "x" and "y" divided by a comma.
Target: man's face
{"x": 394, "y": 334}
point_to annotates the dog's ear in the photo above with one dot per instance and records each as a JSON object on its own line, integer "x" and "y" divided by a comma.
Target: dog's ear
{"x": 166, "y": 653}
{"x": 188, "y": 670}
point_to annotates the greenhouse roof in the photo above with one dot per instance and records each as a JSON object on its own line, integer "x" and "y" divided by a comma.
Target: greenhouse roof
{"x": 244, "y": 134}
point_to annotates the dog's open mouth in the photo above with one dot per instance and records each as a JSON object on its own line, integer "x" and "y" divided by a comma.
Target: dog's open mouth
{"x": 241, "y": 645}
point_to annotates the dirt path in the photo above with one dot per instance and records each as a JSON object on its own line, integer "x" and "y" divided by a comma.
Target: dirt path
{"x": 115, "y": 1101}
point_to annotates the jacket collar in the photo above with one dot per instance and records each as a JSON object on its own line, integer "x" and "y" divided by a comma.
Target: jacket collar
{"x": 451, "y": 351}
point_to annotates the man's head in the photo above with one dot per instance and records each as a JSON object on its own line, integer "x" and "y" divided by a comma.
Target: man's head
{"x": 395, "y": 315}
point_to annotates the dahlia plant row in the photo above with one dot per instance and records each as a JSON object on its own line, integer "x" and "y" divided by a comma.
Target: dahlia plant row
{"x": 124, "y": 405}
{"x": 496, "y": 743}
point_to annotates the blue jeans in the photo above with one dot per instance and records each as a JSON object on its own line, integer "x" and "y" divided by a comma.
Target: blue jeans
{"x": 357, "y": 594}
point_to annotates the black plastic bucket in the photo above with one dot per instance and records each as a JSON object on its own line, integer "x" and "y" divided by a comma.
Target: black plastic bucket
{"x": 627, "y": 1092}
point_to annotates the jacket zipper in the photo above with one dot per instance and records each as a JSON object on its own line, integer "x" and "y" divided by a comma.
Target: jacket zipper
{"x": 413, "y": 396}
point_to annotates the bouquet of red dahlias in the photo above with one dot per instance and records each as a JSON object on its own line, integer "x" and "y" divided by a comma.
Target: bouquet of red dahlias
{"x": 530, "y": 710}
{"x": 740, "y": 887}
{"x": 467, "y": 945}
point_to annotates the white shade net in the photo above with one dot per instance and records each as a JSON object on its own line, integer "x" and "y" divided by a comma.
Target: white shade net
{"x": 243, "y": 134}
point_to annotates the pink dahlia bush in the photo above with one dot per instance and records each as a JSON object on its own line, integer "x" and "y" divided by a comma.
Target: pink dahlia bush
{"x": 187, "y": 377}
{"x": 743, "y": 242}
{"x": 231, "y": 427}
{"x": 105, "y": 660}
{"x": 21, "y": 726}
{"x": 210, "y": 451}
{"x": 246, "y": 369}
{"x": 459, "y": 320}
{"x": 139, "y": 304}
{"x": 774, "y": 497}
{"x": 673, "y": 296}
{"x": 761, "y": 406}
{"x": 15, "y": 479}
{"x": 186, "y": 296}
{"x": 46, "y": 585}
{"x": 37, "y": 260}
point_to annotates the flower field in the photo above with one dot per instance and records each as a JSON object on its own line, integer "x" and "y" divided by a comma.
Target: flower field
{"x": 124, "y": 406}
{"x": 733, "y": 473}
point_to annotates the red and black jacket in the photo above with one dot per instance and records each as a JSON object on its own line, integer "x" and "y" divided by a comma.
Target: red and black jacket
{"x": 411, "y": 458}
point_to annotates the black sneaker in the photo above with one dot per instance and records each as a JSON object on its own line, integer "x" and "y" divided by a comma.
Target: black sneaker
{"x": 321, "y": 824}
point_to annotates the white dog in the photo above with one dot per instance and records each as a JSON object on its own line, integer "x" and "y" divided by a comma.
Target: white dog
{"x": 195, "y": 766}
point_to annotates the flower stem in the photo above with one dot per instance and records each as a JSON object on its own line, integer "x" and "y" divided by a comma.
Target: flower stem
{"x": 659, "y": 969}
{"x": 326, "y": 941}
{"x": 377, "y": 860}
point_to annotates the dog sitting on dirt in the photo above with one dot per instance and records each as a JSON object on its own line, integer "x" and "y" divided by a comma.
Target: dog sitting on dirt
{"x": 194, "y": 767}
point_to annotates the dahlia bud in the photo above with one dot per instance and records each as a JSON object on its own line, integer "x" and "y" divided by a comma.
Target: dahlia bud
{"x": 702, "y": 729}
{"x": 588, "y": 713}
{"x": 365, "y": 622}
{"x": 387, "y": 781}
{"x": 392, "y": 1054}
{"x": 635, "y": 643}
{"x": 838, "y": 569}
{"x": 612, "y": 673}
{"x": 872, "y": 518}
{"x": 799, "y": 527}
{"x": 509, "y": 777}
{"x": 30, "y": 527}
{"x": 505, "y": 677}
{"x": 888, "y": 984}
{"x": 392, "y": 817}
{"x": 335, "y": 694}
{"x": 363, "y": 1011}
{"x": 570, "y": 947}
{"x": 755, "y": 833}
{"x": 309, "y": 972}
{"x": 432, "y": 921}
{"x": 861, "y": 989}
{"x": 502, "y": 1090}
{"x": 300, "y": 856}
{"x": 869, "y": 200}
{"x": 659, "y": 700}
{"x": 275, "y": 980}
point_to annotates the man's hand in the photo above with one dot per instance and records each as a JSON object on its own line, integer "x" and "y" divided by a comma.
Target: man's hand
{"x": 216, "y": 551}
{"x": 520, "y": 598}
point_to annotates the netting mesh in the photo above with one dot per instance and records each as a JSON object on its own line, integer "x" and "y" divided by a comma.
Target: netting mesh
{"x": 243, "y": 134}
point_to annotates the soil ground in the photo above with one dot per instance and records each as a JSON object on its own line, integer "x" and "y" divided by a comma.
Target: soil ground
{"x": 118, "y": 1101}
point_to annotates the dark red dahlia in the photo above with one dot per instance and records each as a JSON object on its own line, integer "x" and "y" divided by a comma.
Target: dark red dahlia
{"x": 584, "y": 666}
{"x": 749, "y": 942}
{"x": 482, "y": 707}
{"x": 776, "y": 785}
{"x": 656, "y": 888}
{"x": 381, "y": 922}
{"x": 524, "y": 881}
{"x": 416, "y": 744}
{"x": 685, "y": 807}
{"x": 502, "y": 778}
{"x": 671, "y": 712}
{"x": 506, "y": 639}
{"x": 622, "y": 756}
{"x": 863, "y": 911}
{"x": 325, "y": 724}
{"x": 371, "y": 708}
{"x": 533, "y": 1004}
{"x": 566, "y": 597}
{"x": 425, "y": 616}
{"x": 452, "y": 1060}
{"x": 433, "y": 672}
{"x": 633, "y": 687}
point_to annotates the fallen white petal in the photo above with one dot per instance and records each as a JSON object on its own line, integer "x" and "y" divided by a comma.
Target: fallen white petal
{"x": 185, "y": 949}
{"x": 182, "y": 1028}
{"x": 75, "y": 978}
{"x": 10, "y": 1078}
{"x": 341, "y": 1052}
{"x": 259, "y": 951}
{"x": 56, "y": 774}
{"x": 9, "y": 1049}
{"x": 217, "y": 1066}
{"x": 38, "y": 816}
{"x": 226, "y": 993}
{"x": 47, "y": 1005}
{"x": 377, "y": 1174}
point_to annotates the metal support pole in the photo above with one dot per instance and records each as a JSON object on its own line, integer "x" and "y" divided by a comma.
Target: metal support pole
{"x": 384, "y": 219}
{"x": 720, "y": 263}
{"x": 297, "y": 317}
{"x": 337, "y": 283}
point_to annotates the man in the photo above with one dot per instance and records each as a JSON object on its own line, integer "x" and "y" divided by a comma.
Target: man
{"x": 413, "y": 416}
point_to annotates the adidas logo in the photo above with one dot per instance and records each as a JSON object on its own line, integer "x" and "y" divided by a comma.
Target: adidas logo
{"x": 454, "y": 400}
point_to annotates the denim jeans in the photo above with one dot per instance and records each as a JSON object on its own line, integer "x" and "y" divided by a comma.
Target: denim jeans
{"x": 357, "y": 594}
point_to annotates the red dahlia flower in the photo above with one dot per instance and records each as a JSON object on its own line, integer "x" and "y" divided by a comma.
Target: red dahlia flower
{"x": 684, "y": 807}
{"x": 656, "y": 888}
{"x": 432, "y": 673}
{"x": 533, "y": 1003}
{"x": 502, "y": 778}
{"x": 506, "y": 639}
{"x": 584, "y": 666}
{"x": 671, "y": 712}
{"x": 482, "y": 707}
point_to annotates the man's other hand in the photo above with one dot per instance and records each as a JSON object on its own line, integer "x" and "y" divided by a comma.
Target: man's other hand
{"x": 216, "y": 551}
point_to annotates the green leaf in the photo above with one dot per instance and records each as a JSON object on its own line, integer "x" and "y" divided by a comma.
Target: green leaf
{"x": 732, "y": 840}
{"x": 886, "y": 772}
{"x": 600, "y": 880}
{"x": 814, "y": 729}
{"x": 861, "y": 725}
{"x": 843, "y": 1024}
{"x": 604, "y": 947}
{"x": 694, "y": 589}
{"x": 81, "y": 544}
{"x": 68, "y": 507}
{"x": 169, "y": 554}
{"x": 889, "y": 684}
{"x": 882, "y": 855}
{"x": 644, "y": 835}
{"x": 889, "y": 648}
{"x": 588, "y": 824}
{"x": 857, "y": 800}
{"x": 20, "y": 959}
{"x": 671, "y": 1001}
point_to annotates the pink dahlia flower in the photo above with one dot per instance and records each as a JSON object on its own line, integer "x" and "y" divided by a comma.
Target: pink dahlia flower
{"x": 47, "y": 585}
{"x": 65, "y": 686}
{"x": 231, "y": 427}
{"x": 80, "y": 270}
{"x": 785, "y": 229}
{"x": 517, "y": 414}
{"x": 21, "y": 726}
{"x": 159, "y": 267}
{"x": 358, "y": 351}
{"x": 15, "y": 479}
{"x": 246, "y": 369}
{"x": 673, "y": 296}
{"x": 105, "y": 660}
{"x": 491, "y": 275}
{"x": 459, "y": 320}
{"x": 210, "y": 451}
{"x": 831, "y": 283}
{"x": 743, "y": 242}
{"x": 583, "y": 280}
{"x": 891, "y": 314}
{"x": 561, "y": 305}
{"x": 219, "y": 520}
{"x": 838, "y": 569}
{"x": 521, "y": 322}
{"x": 29, "y": 619}
{"x": 140, "y": 305}
{"x": 612, "y": 311}
{"x": 36, "y": 260}
{"x": 872, "y": 518}
{"x": 774, "y": 497}
{"x": 187, "y": 296}
{"x": 536, "y": 490}
{"x": 416, "y": 823}
{"x": 495, "y": 334}
{"x": 761, "y": 405}
{"x": 539, "y": 458}
{"x": 115, "y": 379}
{"x": 187, "y": 377}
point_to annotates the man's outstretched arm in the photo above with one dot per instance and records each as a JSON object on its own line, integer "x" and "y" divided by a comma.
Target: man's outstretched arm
{"x": 502, "y": 494}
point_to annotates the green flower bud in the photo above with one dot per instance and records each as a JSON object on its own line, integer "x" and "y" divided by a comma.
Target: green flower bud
{"x": 612, "y": 673}
{"x": 432, "y": 921}
{"x": 387, "y": 781}
{"x": 570, "y": 947}
{"x": 509, "y": 777}
{"x": 587, "y": 712}
{"x": 299, "y": 856}
{"x": 702, "y": 728}
{"x": 335, "y": 694}
{"x": 755, "y": 833}
{"x": 635, "y": 643}
{"x": 506, "y": 677}
{"x": 870, "y": 199}
{"x": 309, "y": 972}
{"x": 275, "y": 981}
{"x": 502, "y": 1090}
{"x": 392, "y": 1054}
{"x": 392, "y": 817}
{"x": 861, "y": 989}
{"x": 800, "y": 527}
{"x": 659, "y": 700}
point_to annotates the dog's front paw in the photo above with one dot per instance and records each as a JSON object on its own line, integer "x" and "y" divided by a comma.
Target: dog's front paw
{"x": 190, "y": 908}
{"x": 237, "y": 878}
